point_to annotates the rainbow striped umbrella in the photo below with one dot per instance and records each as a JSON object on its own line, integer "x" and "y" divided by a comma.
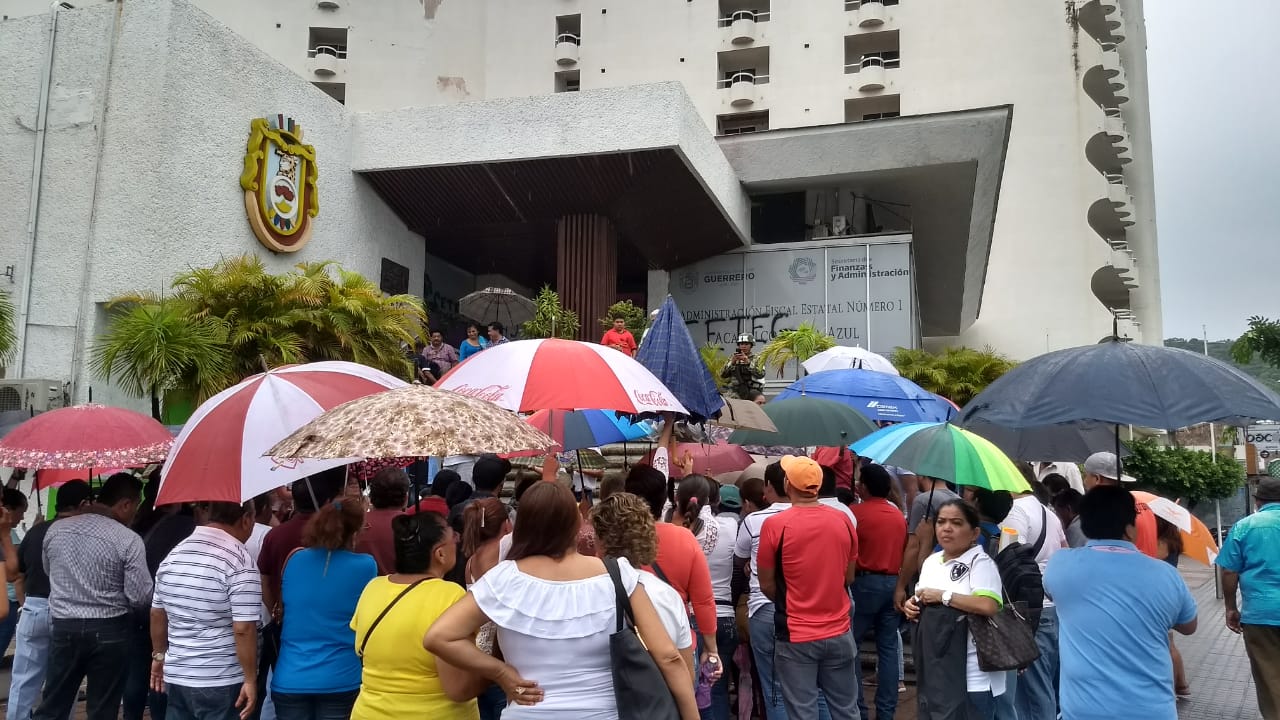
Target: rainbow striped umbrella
{"x": 942, "y": 450}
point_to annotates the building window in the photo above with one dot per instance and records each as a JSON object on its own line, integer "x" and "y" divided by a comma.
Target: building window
{"x": 742, "y": 123}
{"x": 877, "y": 107}
{"x": 568, "y": 81}
{"x": 394, "y": 279}
{"x": 878, "y": 49}
{"x": 327, "y": 41}
{"x": 335, "y": 90}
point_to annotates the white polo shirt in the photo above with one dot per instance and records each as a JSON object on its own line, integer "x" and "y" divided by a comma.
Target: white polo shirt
{"x": 205, "y": 585}
{"x": 973, "y": 573}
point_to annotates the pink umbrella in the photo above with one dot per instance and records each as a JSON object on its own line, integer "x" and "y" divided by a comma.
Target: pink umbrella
{"x": 708, "y": 459}
{"x": 531, "y": 375}
{"x": 219, "y": 454}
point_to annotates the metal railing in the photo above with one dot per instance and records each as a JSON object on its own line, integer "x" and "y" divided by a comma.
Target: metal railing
{"x": 1115, "y": 178}
{"x": 855, "y": 4}
{"x": 568, "y": 38}
{"x": 743, "y": 77}
{"x": 756, "y": 15}
{"x": 871, "y": 60}
{"x": 339, "y": 52}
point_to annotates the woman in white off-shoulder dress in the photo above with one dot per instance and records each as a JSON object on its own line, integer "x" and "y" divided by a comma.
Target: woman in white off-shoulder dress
{"x": 555, "y": 611}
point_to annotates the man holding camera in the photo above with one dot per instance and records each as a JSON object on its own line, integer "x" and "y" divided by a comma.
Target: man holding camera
{"x": 741, "y": 372}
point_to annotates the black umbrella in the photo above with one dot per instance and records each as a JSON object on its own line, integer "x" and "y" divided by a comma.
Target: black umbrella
{"x": 1070, "y": 442}
{"x": 1120, "y": 383}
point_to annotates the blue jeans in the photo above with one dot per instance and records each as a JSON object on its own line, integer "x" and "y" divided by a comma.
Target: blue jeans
{"x": 30, "y": 658}
{"x": 762, "y": 651}
{"x": 96, "y": 650}
{"x": 314, "y": 706}
{"x": 1037, "y": 695}
{"x": 816, "y": 669}
{"x": 1005, "y": 704}
{"x": 873, "y": 609}
{"x": 202, "y": 703}
{"x": 492, "y": 702}
{"x": 726, "y": 645}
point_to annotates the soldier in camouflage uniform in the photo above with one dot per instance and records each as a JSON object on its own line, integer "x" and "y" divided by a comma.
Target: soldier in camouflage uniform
{"x": 743, "y": 374}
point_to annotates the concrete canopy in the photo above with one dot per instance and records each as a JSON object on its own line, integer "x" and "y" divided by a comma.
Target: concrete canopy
{"x": 944, "y": 168}
{"x": 489, "y": 179}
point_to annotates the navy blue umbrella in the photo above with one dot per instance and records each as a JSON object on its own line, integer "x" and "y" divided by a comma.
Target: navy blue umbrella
{"x": 669, "y": 353}
{"x": 1121, "y": 383}
{"x": 879, "y": 396}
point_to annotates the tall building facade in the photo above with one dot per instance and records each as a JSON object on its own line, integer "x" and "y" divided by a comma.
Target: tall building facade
{"x": 1004, "y": 143}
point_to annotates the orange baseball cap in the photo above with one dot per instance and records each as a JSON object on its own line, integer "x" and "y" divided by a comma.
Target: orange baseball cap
{"x": 804, "y": 474}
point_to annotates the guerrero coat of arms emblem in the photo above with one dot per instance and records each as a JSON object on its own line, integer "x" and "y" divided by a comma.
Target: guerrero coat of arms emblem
{"x": 279, "y": 182}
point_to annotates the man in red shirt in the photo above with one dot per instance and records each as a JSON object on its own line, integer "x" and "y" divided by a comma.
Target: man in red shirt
{"x": 807, "y": 557}
{"x": 882, "y": 535}
{"x": 619, "y": 337}
{"x": 841, "y": 460}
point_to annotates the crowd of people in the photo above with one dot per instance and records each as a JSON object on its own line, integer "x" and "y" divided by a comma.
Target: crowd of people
{"x": 334, "y": 598}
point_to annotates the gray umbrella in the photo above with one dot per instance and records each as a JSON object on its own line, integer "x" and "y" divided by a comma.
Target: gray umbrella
{"x": 1120, "y": 383}
{"x": 502, "y": 305}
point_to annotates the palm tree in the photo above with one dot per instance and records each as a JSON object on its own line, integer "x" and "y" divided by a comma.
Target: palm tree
{"x": 714, "y": 357}
{"x": 8, "y": 328}
{"x": 350, "y": 318}
{"x": 957, "y": 373}
{"x": 550, "y": 318}
{"x": 799, "y": 344}
{"x": 262, "y": 316}
{"x": 153, "y": 345}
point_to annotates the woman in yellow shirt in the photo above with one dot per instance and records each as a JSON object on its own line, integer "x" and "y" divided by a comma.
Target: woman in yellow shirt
{"x": 401, "y": 679}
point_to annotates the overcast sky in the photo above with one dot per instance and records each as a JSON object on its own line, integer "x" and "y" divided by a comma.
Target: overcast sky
{"x": 1214, "y": 74}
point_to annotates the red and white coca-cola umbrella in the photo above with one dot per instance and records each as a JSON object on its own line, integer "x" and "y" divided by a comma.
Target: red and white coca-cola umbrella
{"x": 218, "y": 456}
{"x": 531, "y": 375}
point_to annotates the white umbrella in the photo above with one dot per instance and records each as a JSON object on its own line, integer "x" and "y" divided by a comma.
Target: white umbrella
{"x": 841, "y": 357}
{"x": 502, "y": 305}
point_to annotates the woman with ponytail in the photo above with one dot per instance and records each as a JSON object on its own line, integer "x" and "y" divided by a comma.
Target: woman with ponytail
{"x": 485, "y": 523}
{"x": 317, "y": 676}
{"x": 401, "y": 679}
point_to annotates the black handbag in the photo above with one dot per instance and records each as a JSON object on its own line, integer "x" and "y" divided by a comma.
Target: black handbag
{"x": 639, "y": 686}
{"x": 1005, "y": 641}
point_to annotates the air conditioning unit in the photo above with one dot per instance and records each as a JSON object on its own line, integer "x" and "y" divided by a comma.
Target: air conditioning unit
{"x": 31, "y": 395}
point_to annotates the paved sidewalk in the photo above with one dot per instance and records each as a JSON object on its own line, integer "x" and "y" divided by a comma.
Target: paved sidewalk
{"x": 1217, "y": 667}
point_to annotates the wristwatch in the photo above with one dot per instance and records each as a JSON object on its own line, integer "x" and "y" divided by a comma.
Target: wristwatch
{"x": 157, "y": 657}
{"x": 946, "y": 598}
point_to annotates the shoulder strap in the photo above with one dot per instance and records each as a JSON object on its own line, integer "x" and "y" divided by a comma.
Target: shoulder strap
{"x": 622, "y": 603}
{"x": 657, "y": 570}
{"x": 384, "y": 612}
{"x": 1044, "y": 531}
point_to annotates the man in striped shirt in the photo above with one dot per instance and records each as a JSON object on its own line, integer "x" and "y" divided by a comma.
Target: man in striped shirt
{"x": 97, "y": 574}
{"x": 204, "y": 620}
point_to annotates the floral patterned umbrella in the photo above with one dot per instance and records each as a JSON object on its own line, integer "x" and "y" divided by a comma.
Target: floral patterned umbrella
{"x": 86, "y": 436}
{"x": 412, "y": 421}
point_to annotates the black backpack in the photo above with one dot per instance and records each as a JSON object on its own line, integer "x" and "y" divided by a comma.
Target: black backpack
{"x": 1020, "y": 574}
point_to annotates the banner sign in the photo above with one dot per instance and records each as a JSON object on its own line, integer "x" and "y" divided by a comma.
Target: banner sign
{"x": 863, "y": 295}
{"x": 1265, "y": 437}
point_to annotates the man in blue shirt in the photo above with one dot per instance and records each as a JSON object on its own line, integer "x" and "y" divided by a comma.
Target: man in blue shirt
{"x": 1115, "y": 609}
{"x": 1250, "y": 561}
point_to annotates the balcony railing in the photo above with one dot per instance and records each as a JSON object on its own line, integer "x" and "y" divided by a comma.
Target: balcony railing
{"x": 336, "y": 51}
{"x": 743, "y": 77}
{"x": 872, "y": 60}
{"x": 856, "y": 4}
{"x": 568, "y": 38}
{"x": 752, "y": 15}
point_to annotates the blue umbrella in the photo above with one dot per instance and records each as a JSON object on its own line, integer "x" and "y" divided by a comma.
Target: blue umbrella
{"x": 879, "y": 396}
{"x": 578, "y": 429}
{"x": 669, "y": 353}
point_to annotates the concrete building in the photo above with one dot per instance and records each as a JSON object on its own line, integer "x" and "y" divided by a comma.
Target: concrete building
{"x": 975, "y": 173}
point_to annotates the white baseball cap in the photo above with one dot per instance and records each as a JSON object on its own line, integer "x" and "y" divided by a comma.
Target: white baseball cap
{"x": 1104, "y": 465}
